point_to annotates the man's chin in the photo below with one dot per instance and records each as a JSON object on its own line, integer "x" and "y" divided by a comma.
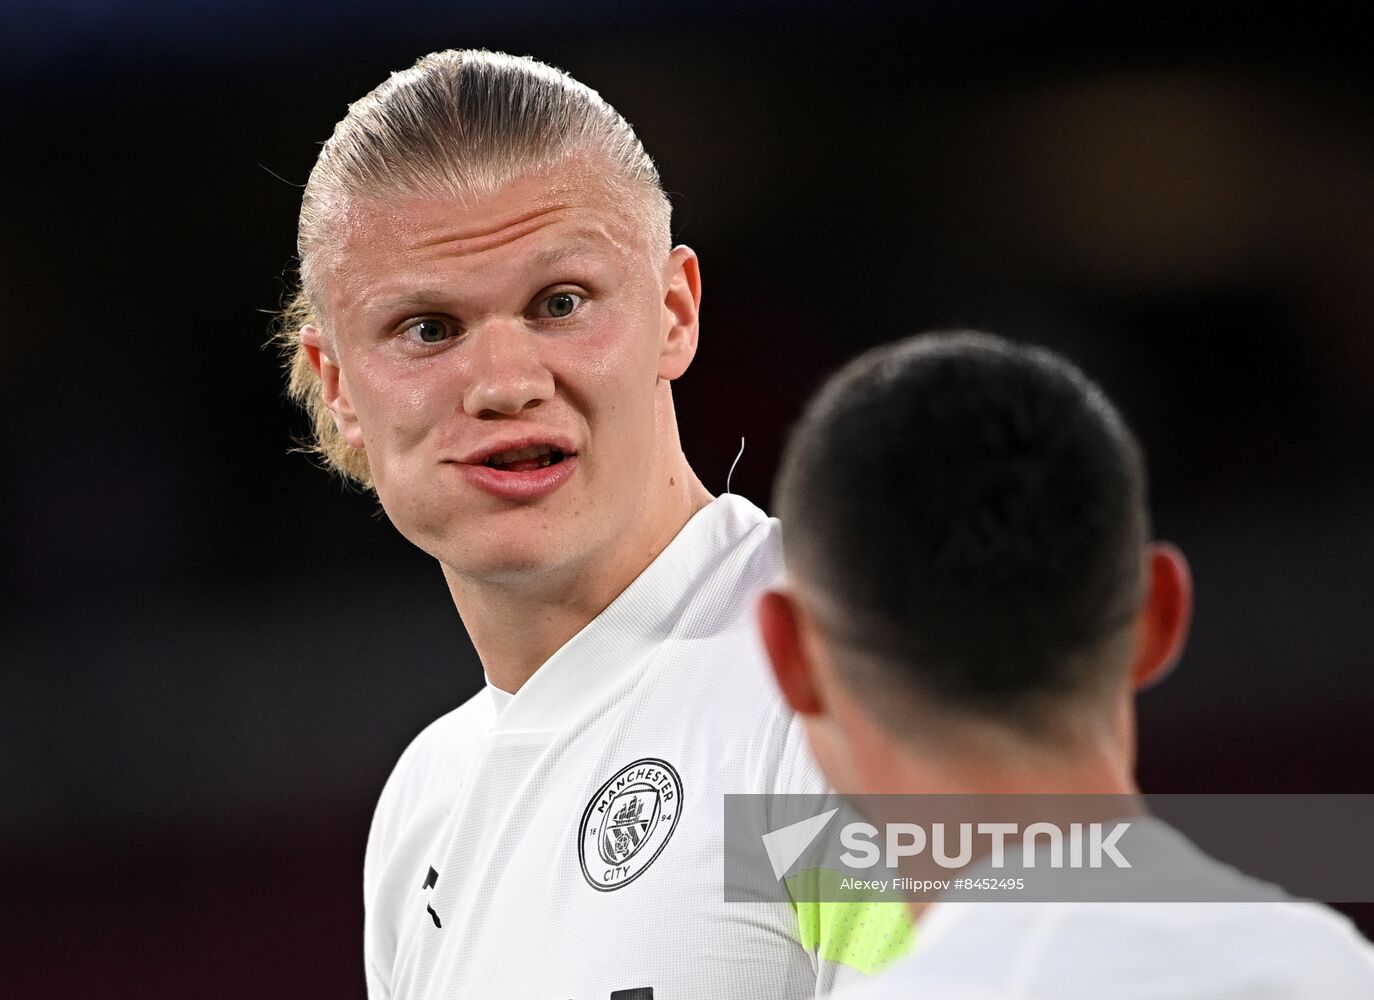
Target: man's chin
{"x": 505, "y": 565}
{"x": 498, "y": 547}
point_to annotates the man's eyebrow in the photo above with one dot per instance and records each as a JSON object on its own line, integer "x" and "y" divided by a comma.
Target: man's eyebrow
{"x": 420, "y": 298}
{"x": 386, "y": 305}
{"x": 556, "y": 255}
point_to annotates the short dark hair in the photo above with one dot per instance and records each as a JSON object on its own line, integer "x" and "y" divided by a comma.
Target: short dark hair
{"x": 972, "y": 512}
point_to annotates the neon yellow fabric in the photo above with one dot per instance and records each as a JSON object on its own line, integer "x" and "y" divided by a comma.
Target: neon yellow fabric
{"x": 864, "y": 934}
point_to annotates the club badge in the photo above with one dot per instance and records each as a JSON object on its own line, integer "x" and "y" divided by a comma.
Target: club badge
{"x": 628, "y": 822}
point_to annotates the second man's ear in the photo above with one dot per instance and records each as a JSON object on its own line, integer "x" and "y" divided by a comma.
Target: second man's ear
{"x": 780, "y": 627}
{"x": 681, "y": 307}
{"x": 333, "y": 386}
{"x": 1166, "y": 616}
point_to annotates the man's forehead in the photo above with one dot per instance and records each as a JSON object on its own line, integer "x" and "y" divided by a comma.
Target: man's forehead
{"x": 557, "y": 206}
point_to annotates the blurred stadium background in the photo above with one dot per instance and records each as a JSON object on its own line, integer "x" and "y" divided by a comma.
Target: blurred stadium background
{"x": 212, "y": 655}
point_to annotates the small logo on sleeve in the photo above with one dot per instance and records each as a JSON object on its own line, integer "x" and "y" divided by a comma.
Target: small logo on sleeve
{"x": 628, "y": 822}
{"x": 431, "y": 880}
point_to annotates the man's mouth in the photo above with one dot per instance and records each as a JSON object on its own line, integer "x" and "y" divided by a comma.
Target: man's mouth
{"x": 537, "y": 456}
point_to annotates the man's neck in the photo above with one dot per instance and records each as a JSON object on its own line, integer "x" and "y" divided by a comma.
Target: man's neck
{"x": 516, "y": 626}
{"x": 1099, "y": 762}
{"x": 1096, "y": 771}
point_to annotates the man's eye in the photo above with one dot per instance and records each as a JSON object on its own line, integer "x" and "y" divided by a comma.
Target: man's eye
{"x": 560, "y": 304}
{"x": 428, "y": 331}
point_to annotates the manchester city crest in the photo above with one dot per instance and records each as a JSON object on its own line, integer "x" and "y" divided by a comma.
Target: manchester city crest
{"x": 628, "y": 822}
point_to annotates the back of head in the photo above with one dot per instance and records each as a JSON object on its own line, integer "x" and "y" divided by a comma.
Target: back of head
{"x": 458, "y": 125}
{"x": 969, "y": 516}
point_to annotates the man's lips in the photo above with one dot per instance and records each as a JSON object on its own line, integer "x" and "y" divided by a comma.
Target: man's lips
{"x": 519, "y": 469}
{"x": 504, "y": 447}
{"x": 518, "y": 484}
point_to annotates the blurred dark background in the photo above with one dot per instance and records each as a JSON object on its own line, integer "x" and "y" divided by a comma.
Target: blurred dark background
{"x": 212, "y": 655}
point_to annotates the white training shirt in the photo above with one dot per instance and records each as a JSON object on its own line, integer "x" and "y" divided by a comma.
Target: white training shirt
{"x": 565, "y": 843}
{"x": 1137, "y": 951}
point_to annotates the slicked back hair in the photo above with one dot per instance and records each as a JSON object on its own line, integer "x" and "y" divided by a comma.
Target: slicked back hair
{"x": 459, "y": 124}
{"x": 971, "y": 514}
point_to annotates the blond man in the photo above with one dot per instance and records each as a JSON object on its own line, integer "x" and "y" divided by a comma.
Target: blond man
{"x": 490, "y": 321}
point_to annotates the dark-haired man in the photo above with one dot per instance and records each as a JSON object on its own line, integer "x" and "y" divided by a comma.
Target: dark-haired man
{"x": 973, "y": 601}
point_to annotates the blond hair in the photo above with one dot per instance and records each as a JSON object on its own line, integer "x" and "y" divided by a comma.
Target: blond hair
{"x": 459, "y": 124}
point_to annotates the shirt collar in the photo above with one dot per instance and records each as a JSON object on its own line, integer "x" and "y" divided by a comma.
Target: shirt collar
{"x": 499, "y": 698}
{"x": 619, "y": 640}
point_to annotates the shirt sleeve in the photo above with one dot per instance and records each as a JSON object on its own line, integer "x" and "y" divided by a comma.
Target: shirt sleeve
{"x": 377, "y": 987}
{"x": 379, "y": 937}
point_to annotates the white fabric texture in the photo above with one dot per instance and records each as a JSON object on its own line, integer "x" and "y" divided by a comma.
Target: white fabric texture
{"x": 491, "y": 798}
{"x": 1285, "y": 950}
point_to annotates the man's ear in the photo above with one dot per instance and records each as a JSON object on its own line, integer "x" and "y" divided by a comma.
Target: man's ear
{"x": 681, "y": 306}
{"x": 780, "y": 625}
{"x": 333, "y": 387}
{"x": 1165, "y": 618}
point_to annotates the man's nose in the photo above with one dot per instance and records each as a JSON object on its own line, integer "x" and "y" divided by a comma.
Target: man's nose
{"x": 507, "y": 373}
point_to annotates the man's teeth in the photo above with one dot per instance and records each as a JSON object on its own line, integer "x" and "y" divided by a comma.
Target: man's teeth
{"x": 542, "y": 452}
